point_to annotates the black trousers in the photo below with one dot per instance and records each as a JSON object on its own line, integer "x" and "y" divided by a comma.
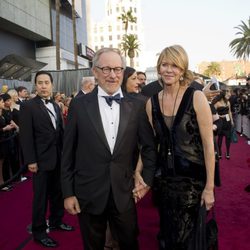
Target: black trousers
{"x": 47, "y": 189}
{"x": 124, "y": 225}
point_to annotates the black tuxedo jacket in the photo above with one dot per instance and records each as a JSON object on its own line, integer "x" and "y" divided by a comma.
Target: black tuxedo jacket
{"x": 40, "y": 141}
{"x": 151, "y": 89}
{"x": 89, "y": 170}
{"x": 80, "y": 93}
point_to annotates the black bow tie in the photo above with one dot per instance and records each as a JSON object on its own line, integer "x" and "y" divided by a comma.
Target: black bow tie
{"x": 109, "y": 99}
{"x": 48, "y": 100}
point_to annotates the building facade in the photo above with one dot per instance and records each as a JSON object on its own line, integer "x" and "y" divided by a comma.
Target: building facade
{"x": 110, "y": 31}
{"x": 232, "y": 72}
{"x": 28, "y": 30}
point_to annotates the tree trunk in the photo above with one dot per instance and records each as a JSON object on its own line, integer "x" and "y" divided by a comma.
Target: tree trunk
{"x": 74, "y": 34}
{"x": 58, "y": 59}
{"x": 131, "y": 62}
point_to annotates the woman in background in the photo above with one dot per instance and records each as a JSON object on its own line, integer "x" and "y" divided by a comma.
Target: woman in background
{"x": 4, "y": 128}
{"x": 130, "y": 83}
{"x": 222, "y": 105}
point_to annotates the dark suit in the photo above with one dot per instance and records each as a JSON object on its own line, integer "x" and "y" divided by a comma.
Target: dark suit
{"x": 151, "y": 89}
{"x": 19, "y": 101}
{"x": 102, "y": 181}
{"x": 41, "y": 143}
{"x": 80, "y": 93}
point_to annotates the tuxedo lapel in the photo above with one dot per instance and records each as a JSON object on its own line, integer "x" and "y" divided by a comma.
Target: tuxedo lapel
{"x": 43, "y": 109}
{"x": 93, "y": 111}
{"x": 58, "y": 114}
{"x": 125, "y": 112}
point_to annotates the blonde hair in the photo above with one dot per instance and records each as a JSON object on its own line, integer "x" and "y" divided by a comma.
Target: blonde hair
{"x": 4, "y": 89}
{"x": 12, "y": 93}
{"x": 178, "y": 56}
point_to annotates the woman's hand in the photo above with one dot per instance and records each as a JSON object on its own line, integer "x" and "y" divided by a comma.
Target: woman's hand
{"x": 138, "y": 179}
{"x": 207, "y": 196}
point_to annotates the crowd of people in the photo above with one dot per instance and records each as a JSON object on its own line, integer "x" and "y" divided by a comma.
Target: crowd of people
{"x": 98, "y": 152}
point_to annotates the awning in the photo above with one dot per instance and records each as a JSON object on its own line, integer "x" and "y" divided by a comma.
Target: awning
{"x": 18, "y": 67}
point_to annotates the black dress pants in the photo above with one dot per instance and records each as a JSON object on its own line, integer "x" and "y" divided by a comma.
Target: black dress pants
{"x": 47, "y": 189}
{"x": 93, "y": 227}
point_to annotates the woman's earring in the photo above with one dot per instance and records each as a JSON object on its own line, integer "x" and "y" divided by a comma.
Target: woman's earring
{"x": 181, "y": 78}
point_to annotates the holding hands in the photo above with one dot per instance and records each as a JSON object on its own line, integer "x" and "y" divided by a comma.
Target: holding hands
{"x": 141, "y": 188}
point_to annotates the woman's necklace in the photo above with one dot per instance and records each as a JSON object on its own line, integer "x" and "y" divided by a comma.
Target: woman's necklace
{"x": 170, "y": 164}
{"x": 172, "y": 117}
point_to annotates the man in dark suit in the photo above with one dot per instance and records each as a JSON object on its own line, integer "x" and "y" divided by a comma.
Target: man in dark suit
{"x": 97, "y": 171}
{"x": 41, "y": 134}
{"x": 22, "y": 94}
{"x": 87, "y": 85}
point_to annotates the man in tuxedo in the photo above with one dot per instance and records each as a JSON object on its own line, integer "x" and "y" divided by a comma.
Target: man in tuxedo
{"x": 104, "y": 128}
{"x": 22, "y": 94}
{"x": 41, "y": 135}
{"x": 87, "y": 85}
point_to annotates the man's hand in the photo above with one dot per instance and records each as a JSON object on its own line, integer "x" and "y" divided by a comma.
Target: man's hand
{"x": 210, "y": 94}
{"x": 71, "y": 204}
{"x": 33, "y": 168}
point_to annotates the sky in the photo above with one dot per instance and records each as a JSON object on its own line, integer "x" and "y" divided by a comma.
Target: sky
{"x": 203, "y": 27}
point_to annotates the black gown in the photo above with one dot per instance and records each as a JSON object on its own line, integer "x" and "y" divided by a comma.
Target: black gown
{"x": 182, "y": 174}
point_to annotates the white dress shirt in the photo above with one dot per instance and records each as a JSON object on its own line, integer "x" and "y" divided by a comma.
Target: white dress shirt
{"x": 110, "y": 116}
{"x": 51, "y": 111}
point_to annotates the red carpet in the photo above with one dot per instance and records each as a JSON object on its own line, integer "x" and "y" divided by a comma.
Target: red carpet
{"x": 232, "y": 211}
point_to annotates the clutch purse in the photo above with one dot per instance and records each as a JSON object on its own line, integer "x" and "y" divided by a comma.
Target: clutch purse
{"x": 234, "y": 137}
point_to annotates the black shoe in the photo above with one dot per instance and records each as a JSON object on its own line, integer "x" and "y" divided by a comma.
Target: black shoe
{"x": 227, "y": 157}
{"x": 47, "y": 242}
{"x": 219, "y": 156}
{"x": 62, "y": 227}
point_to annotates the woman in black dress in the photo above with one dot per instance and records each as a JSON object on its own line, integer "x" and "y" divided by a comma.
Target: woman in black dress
{"x": 182, "y": 121}
{"x": 4, "y": 128}
{"x": 223, "y": 107}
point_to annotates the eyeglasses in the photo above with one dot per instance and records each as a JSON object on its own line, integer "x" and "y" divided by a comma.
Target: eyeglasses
{"x": 107, "y": 70}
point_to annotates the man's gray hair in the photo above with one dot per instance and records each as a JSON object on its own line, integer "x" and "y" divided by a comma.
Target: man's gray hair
{"x": 87, "y": 79}
{"x": 97, "y": 55}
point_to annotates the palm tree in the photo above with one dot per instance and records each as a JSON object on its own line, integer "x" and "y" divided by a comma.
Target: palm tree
{"x": 74, "y": 34}
{"x": 130, "y": 47}
{"x": 213, "y": 69}
{"x": 58, "y": 64}
{"x": 241, "y": 46}
{"x": 127, "y": 17}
